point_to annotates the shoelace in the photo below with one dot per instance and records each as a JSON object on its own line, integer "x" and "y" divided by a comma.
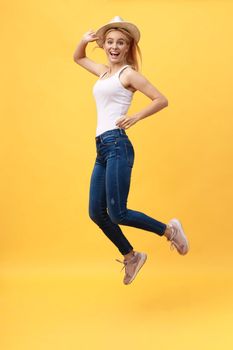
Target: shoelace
{"x": 125, "y": 262}
{"x": 122, "y": 262}
{"x": 171, "y": 239}
{"x": 173, "y": 245}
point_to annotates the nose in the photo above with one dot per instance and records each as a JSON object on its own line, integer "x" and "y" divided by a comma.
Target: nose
{"x": 114, "y": 45}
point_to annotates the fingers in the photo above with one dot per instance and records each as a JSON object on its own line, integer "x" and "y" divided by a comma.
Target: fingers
{"x": 119, "y": 120}
{"x": 126, "y": 122}
{"x": 90, "y": 35}
{"x": 123, "y": 123}
{"x": 92, "y": 32}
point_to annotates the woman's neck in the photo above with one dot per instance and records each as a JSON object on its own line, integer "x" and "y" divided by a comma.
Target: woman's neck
{"x": 113, "y": 68}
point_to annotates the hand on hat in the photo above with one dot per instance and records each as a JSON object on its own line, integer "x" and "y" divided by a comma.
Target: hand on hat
{"x": 90, "y": 36}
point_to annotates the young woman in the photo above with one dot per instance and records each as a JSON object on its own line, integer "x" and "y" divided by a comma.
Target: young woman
{"x": 110, "y": 180}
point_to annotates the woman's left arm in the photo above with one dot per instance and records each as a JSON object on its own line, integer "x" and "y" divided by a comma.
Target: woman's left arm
{"x": 137, "y": 81}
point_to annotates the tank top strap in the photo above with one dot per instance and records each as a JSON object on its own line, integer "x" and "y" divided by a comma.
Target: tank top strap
{"x": 122, "y": 68}
{"x": 117, "y": 73}
{"x": 101, "y": 75}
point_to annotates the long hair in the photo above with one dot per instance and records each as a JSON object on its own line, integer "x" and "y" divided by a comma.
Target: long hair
{"x": 134, "y": 50}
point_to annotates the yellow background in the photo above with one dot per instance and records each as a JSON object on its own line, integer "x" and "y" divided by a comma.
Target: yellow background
{"x": 61, "y": 287}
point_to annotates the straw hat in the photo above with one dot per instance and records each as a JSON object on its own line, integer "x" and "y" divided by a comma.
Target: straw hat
{"x": 118, "y": 22}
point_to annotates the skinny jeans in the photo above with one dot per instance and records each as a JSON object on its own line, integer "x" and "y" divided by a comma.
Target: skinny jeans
{"x": 109, "y": 189}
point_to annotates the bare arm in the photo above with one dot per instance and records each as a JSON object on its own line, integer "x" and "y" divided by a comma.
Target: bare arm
{"x": 139, "y": 82}
{"x": 80, "y": 57}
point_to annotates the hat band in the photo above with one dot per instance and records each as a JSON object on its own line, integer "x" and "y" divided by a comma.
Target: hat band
{"x": 117, "y": 28}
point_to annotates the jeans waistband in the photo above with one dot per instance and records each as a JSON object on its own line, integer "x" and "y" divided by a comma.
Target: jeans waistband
{"x": 113, "y": 132}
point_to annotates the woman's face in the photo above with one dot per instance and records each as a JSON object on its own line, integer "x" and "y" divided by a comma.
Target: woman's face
{"x": 116, "y": 46}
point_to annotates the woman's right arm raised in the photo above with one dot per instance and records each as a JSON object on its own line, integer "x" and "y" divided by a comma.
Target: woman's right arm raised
{"x": 80, "y": 55}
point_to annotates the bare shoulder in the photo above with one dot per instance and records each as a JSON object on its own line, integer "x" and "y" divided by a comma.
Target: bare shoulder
{"x": 103, "y": 68}
{"x": 131, "y": 73}
{"x": 134, "y": 81}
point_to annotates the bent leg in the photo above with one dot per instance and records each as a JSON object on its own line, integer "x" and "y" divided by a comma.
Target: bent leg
{"x": 118, "y": 177}
{"x": 98, "y": 212}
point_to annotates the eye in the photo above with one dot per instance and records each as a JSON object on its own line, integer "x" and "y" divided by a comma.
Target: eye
{"x": 122, "y": 43}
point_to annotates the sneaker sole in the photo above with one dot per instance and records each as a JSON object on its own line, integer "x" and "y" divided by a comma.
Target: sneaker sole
{"x": 178, "y": 223}
{"x": 140, "y": 264}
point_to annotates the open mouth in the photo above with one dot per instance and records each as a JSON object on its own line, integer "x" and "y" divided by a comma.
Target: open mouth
{"x": 114, "y": 54}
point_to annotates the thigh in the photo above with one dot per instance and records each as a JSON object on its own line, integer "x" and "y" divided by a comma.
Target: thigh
{"x": 118, "y": 176}
{"x": 97, "y": 193}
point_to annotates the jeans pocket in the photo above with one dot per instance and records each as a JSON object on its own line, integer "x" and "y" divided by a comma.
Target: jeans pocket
{"x": 109, "y": 140}
{"x": 129, "y": 152}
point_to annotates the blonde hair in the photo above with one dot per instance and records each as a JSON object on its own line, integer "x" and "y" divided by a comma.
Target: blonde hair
{"x": 134, "y": 49}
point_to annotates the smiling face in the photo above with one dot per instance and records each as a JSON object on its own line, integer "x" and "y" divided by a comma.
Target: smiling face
{"x": 116, "y": 47}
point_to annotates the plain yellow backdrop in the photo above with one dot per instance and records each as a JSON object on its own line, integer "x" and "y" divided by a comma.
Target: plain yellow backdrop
{"x": 61, "y": 286}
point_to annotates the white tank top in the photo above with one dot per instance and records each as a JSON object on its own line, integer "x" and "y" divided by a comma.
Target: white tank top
{"x": 112, "y": 100}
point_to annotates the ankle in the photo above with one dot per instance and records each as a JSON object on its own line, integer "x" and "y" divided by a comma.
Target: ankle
{"x": 168, "y": 231}
{"x": 129, "y": 255}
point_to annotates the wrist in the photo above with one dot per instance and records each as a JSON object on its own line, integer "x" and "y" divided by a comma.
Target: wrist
{"x": 137, "y": 117}
{"x": 84, "y": 41}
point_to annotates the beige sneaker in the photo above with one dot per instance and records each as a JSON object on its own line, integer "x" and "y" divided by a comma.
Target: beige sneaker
{"x": 178, "y": 238}
{"x": 132, "y": 266}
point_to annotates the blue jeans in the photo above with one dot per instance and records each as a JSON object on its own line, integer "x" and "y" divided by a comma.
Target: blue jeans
{"x": 109, "y": 188}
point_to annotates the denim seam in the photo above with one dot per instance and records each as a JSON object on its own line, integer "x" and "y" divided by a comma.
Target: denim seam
{"x": 117, "y": 185}
{"x": 127, "y": 155}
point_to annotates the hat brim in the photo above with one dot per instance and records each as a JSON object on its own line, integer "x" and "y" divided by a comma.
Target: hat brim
{"x": 131, "y": 28}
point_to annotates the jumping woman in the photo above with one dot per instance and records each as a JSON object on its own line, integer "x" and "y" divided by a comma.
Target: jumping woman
{"x": 110, "y": 180}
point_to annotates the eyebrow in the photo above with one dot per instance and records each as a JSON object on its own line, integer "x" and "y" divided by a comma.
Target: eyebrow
{"x": 117, "y": 39}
